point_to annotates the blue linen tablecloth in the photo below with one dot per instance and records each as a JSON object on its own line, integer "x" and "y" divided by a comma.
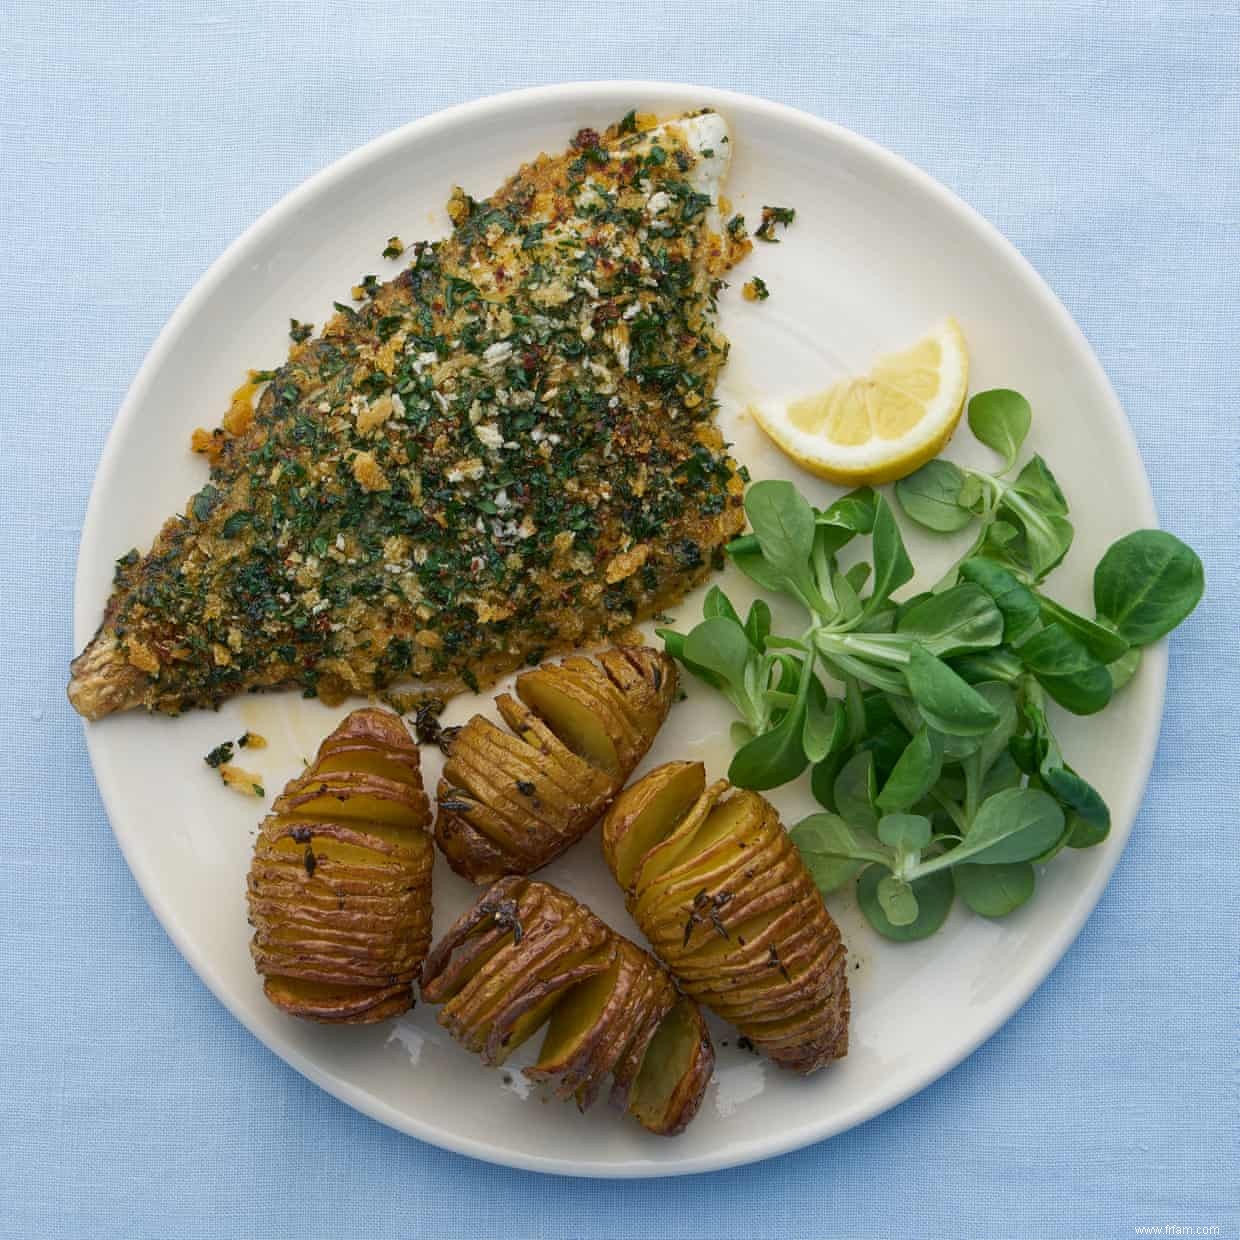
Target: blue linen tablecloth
{"x": 137, "y": 139}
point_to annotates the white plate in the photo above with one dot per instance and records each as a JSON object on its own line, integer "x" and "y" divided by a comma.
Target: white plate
{"x": 878, "y": 253}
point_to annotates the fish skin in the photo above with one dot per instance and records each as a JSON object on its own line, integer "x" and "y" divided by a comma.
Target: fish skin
{"x": 210, "y": 612}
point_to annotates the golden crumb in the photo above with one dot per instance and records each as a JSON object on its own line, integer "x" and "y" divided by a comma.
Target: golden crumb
{"x": 241, "y": 409}
{"x": 207, "y": 443}
{"x": 627, "y": 563}
{"x": 488, "y": 612}
{"x": 737, "y": 248}
{"x": 374, "y": 414}
{"x": 244, "y": 782}
{"x": 458, "y": 206}
{"x": 368, "y": 474}
{"x": 387, "y": 355}
{"x": 142, "y": 657}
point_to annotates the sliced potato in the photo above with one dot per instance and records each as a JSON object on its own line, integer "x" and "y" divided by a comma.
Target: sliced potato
{"x": 545, "y": 939}
{"x": 675, "y": 1072}
{"x": 578, "y": 724}
{"x": 339, "y": 888}
{"x": 652, "y": 805}
{"x": 718, "y": 888}
{"x": 574, "y": 1023}
{"x": 336, "y": 1004}
{"x": 528, "y": 955}
{"x": 511, "y": 801}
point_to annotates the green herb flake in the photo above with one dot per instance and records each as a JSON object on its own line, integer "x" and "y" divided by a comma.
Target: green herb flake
{"x": 221, "y": 754}
{"x": 235, "y": 524}
{"x": 203, "y": 503}
{"x": 770, "y": 217}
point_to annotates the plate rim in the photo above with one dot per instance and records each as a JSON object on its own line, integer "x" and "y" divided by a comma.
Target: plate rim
{"x": 1155, "y": 661}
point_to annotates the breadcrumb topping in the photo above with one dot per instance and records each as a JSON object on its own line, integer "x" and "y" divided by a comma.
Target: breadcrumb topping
{"x": 528, "y": 408}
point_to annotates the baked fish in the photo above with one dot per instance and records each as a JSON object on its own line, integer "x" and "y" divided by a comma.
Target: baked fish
{"x": 506, "y": 451}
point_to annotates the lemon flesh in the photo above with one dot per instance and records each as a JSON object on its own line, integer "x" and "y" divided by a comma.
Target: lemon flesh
{"x": 881, "y": 426}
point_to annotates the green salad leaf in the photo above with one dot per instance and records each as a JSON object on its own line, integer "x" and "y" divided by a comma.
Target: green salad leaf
{"x": 923, "y": 719}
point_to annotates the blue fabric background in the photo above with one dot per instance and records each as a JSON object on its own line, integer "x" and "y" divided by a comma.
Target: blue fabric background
{"x": 137, "y": 139}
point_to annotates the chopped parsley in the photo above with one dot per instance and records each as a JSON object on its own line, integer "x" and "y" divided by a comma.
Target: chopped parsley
{"x": 219, "y": 755}
{"x": 770, "y": 217}
{"x": 234, "y": 524}
{"x": 204, "y": 502}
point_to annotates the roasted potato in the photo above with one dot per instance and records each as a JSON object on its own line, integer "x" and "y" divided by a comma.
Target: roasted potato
{"x": 720, "y": 891}
{"x": 340, "y": 881}
{"x": 528, "y": 955}
{"x": 510, "y": 801}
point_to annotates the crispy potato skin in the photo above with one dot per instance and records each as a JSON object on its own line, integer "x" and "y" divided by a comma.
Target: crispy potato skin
{"x": 682, "y": 1103}
{"x": 511, "y": 800}
{"x": 339, "y": 887}
{"x": 520, "y": 951}
{"x": 738, "y": 920}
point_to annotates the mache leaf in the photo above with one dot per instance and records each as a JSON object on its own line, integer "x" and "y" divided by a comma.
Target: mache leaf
{"x": 1014, "y": 825}
{"x": 933, "y": 893}
{"x": 1000, "y": 418}
{"x": 947, "y": 702}
{"x": 916, "y": 771}
{"x": 892, "y": 567}
{"x": 932, "y": 496}
{"x": 1146, "y": 584}
{"x": 994, "y": 890}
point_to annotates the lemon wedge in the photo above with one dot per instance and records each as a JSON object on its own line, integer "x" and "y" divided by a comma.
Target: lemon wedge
{"x": 881, "y": 426}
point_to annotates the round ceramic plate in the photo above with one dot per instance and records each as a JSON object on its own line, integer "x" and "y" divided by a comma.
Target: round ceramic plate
{"x": 878, "y": 253}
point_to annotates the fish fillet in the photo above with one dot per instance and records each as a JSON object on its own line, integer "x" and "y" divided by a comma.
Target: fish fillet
{"x": 506, "y": 451}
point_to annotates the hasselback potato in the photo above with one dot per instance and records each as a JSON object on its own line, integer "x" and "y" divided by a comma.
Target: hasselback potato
{"x": 528, "y": 955}
{"x": 512, "y": 800}
{"x": 340, "y": 881}
{"x": 720, "y": 891}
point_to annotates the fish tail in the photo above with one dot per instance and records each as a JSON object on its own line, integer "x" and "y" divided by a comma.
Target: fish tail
{"x": 102, "y": 680}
